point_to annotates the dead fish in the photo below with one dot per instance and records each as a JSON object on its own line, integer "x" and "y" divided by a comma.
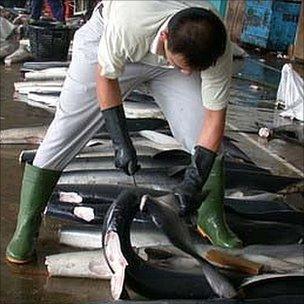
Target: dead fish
{"x": 49, "y": 73}
{"x": 146, "y": 161}
{"x": 162, "y": 139}
{"x": 78, "y": 213}
{"x": 104, "y": 148}
{"x": 36, "y": 104}
{"x": 50, "y": 99}
{"x": 158, "y": 283}
{"x": 290, "y": 253}
{"x": 264, "y": 211}
{"x": 133, "y": 110}
{"x": 255, "y": 196}
{"x": 33, "y": 135}
{"x": 164, "y": 142}
{"x": 128, "y": 268}
{"x": 142, "y": 148}
{"x": 278, "y": 251}
{"x": 264, "y": 232}
{"x": 138, "y": 96}
{"x": 136, "y": 125}
{"x": 92, "y": 264}
{"x": 86, "y": 237}
{"x": 272, "y": 223}
{"x": 19, "y": 134}
{"x": 249, "y": 179}
{"x": 142, "y": 235}
{"x": 233, "y": 151}
{"x": 289, "y": 217}
{"x": 37, "y": 84}
{"x": 40, "y": 90}
{"x": 274, "y": 258}
{"x": 251, "y": 231}
{"x": 41, "y": 65}
{"x": 165, "y": 180}
{"x": 294, "y": 188}
{"x": 264, "y": 285}
{"x": 94, "y": 194}
{"x": 152, "y": 160}
{"x": 141, "y": 109}
{"x": 75, "y": 286}
{"x": 250, "y": 204}
{"x": 165, "y": 259}
{"x": 166, "y": 256}
{"x": 107, "y": 163}
{"x": 273, "y": 265}
{"x": 83, "y": 264}
{"x": 169, "y": 160}
{"x": 165, "y": 213}
{"x": 154, "y": 178}
{"x": 90, "y": 205}
{"x": 104, "y": 194}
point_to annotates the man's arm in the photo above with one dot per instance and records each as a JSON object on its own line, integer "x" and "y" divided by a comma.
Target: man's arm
{"x": 208, "y": 143}
{"x": 108, "y": 91}
{"x": 109, "y": 96}
{"x": 212, "y": 130}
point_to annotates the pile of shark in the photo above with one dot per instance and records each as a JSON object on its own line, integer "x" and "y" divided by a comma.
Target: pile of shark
{"x": 131, "y": 234}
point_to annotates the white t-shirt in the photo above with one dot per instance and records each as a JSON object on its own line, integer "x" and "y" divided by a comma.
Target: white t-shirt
{"x": 131, "y": 32}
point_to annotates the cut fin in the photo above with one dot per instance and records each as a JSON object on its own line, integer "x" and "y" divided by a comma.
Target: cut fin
{"x": 117, "y": 262}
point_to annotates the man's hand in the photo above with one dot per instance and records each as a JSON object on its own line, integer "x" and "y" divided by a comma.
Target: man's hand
{"x": 125, "y": 154}
{"x": 109, "y": 96}
{"x": 126, "y": 159}
{"x": 189, "y": 191}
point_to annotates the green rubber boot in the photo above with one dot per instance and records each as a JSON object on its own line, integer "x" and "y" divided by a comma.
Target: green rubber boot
{"x": 211, "y": 221}
{"x": 37, "y": 186}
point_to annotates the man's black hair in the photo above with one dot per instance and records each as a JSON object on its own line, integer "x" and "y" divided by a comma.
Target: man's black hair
{"x": 199, "y": 35}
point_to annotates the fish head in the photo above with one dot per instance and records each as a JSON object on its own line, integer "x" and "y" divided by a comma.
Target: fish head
{"x": 124, "y": 207}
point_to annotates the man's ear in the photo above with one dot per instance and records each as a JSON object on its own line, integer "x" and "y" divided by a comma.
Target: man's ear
{"x": 164, "y": 35}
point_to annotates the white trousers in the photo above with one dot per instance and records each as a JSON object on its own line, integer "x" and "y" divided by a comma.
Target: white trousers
{"x": 78, "y": 116}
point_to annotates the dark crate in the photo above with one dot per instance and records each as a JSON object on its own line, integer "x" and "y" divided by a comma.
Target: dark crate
{"x": 49, "y": 41}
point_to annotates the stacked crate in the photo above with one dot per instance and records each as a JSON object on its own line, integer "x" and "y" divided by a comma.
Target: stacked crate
{"x": 271, "y": 24}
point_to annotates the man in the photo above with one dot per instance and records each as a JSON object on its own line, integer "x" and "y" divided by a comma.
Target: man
{"x": 55, "y": 5}
{"x": 181, "y": 50}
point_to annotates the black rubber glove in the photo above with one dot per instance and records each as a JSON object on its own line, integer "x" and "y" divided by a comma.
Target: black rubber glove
{"x": 125, "y": 154}
{"x": 189, "y": 191}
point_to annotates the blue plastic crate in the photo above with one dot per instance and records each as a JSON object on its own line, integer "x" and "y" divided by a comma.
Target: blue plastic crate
{"x": 270, "y": 24}
{"x": 284, "y": 24}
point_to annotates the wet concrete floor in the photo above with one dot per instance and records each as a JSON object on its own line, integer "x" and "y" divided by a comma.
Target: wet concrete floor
{"x": 30, "y": 284}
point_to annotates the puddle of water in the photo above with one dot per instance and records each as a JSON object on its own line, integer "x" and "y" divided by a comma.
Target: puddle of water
{"x": 244, "y": 89}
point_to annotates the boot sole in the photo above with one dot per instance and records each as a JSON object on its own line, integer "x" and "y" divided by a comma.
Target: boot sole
{"x": 19, "y": 262}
